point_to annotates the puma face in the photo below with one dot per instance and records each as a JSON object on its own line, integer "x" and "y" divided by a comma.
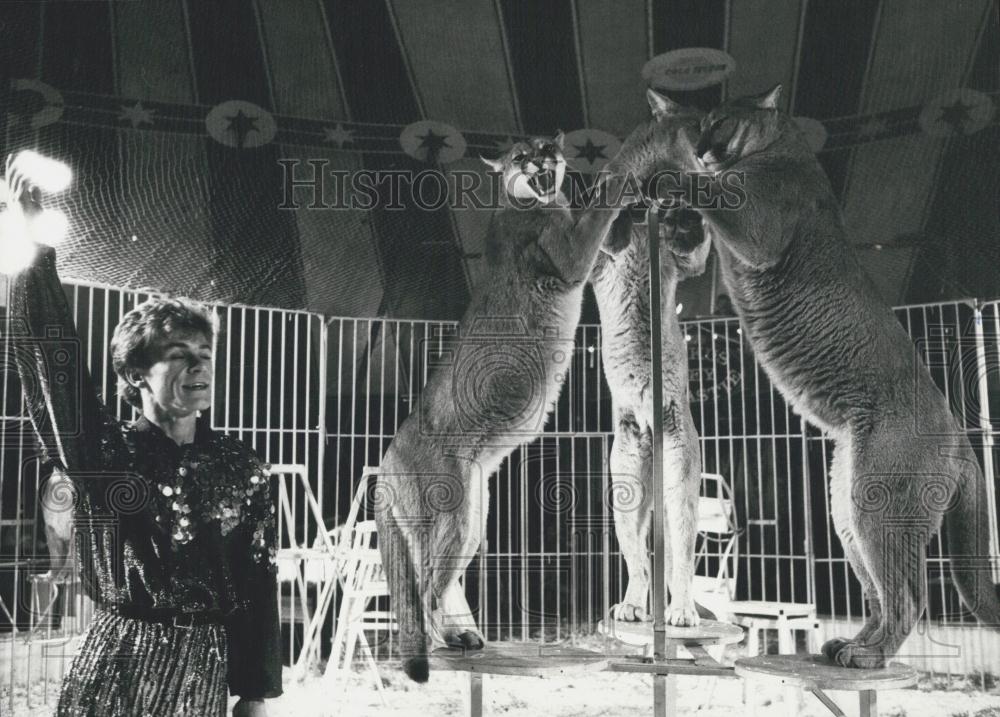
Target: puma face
{"x": 739, "y": 128}
{"x": 664, "y": 144}
{"x": 533, "y": 169}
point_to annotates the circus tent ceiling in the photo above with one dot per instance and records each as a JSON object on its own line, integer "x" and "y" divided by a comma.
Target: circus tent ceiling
{"x": 183, "y": 120}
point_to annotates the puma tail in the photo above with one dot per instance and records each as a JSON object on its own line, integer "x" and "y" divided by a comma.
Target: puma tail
{"x": 966, "y": 527}
{"x": 397, "y": 561}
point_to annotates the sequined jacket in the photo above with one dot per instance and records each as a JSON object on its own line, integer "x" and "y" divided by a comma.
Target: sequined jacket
{"x": 158, "y": 525}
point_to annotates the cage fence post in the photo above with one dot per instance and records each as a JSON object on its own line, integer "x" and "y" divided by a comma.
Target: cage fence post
{"x": 986, "y": 424}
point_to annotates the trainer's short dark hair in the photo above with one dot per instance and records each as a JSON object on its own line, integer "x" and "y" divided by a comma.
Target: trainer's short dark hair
{"x": 143, "y": 326}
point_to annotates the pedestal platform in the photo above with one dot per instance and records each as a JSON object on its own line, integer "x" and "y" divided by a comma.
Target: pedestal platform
{"x": 514, "y": 658}
{"x": 816, "y": 673}
{"x": 640, "y": 634}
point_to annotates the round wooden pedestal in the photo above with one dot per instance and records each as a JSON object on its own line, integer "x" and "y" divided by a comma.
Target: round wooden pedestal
{"x": 709, "y": 632}
{"x": 816, "y": 673}
{"x": 514, "y": 658}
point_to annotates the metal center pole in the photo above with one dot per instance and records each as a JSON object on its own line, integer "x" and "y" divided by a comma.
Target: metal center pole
{"x": 664, "y": 693}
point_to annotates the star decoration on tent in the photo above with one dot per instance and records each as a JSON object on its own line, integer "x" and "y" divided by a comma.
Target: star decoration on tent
{"x": 338, "y": 135}
{"x": 433, "y": 142}
{"x": 590, "y": 151}
{"x": 960, "y": 111}
{"x": 241, "y": 124}
{"x": 956, "y": 114}
{"x": 137, "y": 115}
{"x": 34, "y": 103}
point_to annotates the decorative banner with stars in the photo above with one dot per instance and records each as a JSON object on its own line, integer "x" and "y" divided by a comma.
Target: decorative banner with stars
{"x": 432, "y": 142}
{"x": 814, "y": 131}
{"x": 34, "y": 104}
{"x": 588, "y": 150}
{"x": 689, "y": 68}
{"x": 241, "y": 124}
{"x": 957, "y": 112}
{"x": 51, "y": 110}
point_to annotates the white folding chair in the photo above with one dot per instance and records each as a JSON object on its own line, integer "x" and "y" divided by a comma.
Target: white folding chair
{"x": 296, "y": 560}
{"x": 345, "y": 558}
{"x": 363, "y": 581}
{"x": 718, "y": 537}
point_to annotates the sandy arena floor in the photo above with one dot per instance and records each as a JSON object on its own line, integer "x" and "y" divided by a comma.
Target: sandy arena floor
{"x": 600, "y": 694}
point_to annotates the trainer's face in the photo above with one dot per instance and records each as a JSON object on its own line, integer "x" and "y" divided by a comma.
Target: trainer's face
{"x": 179, "y": 379}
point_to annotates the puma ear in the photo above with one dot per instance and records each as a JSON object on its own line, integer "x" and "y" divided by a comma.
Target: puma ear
{"x": 661, "y": 105}
{"x": 495, "y": 164}
{"x": 560, "y": 139}
{"x": 769, "y": 100}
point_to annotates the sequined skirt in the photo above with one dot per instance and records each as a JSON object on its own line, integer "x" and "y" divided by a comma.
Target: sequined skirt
{"x": 134, "y": 668}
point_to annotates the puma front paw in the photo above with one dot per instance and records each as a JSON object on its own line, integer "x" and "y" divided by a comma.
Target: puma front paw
{"x": 683, "y": 616}
{"x": 682, "y": 230}
{"x": 627, "y": 612}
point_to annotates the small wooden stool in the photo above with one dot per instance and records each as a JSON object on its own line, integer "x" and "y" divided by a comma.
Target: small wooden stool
{"x": 816, "y": 673}
{"x": 756, "y": 616}
{"x": 523, "y": 659}
{"x": 785, "y": 617}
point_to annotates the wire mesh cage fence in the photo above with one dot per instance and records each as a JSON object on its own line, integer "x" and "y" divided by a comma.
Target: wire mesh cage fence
{"x": 329, "y": 394}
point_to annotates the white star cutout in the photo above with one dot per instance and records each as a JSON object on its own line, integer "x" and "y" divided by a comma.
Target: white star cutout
{"x": 137, "y": 114}
{"x": 338, "y": 135}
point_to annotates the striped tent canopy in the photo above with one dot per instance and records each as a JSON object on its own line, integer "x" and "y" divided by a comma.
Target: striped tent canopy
{"x": 185, "y": 122}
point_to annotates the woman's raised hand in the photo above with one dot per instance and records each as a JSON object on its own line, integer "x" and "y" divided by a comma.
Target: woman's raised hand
{"x": 22, "y": 195}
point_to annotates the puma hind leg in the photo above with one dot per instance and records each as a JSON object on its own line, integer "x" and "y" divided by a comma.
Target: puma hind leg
{"x": 840, "y": 506}
{"x": 631, "y": 463}
{"x": 897, "y": 567}
{"x": 682, "y": 484}
{"x": 453, "y": 622}
{"x": 889, "y": 526}
{"x": 457, "y": 538}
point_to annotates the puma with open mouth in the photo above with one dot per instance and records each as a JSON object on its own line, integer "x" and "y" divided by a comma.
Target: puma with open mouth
{"x": 532, "y": 170}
